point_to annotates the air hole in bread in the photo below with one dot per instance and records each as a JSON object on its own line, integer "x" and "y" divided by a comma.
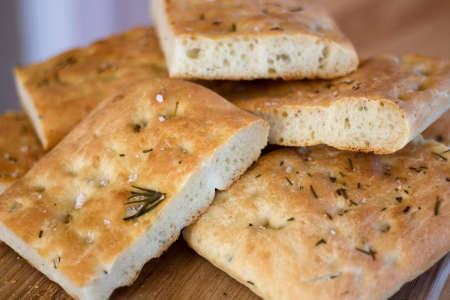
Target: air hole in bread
{"x": 284, "y": 57}
{"x": 265, "y": 223}
{"x": 271, "y": 71}
{"x": 270, "y": 61}
{"x": 193, "y": 53}
{"x": 226, "y": 62}
{"x": 38, "y": 189}
{"x": 347, "y": 123}
{"x": 323, "y": 57}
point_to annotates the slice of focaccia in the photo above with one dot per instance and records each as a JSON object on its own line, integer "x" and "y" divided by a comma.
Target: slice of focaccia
{"x": 119, "y": 188}
{"x": 321, "y": 223}
{"x": 231, "y": 39}
{"x": 381, "y": 107}
{"x": 59, "y": 92}
{"x": 19, "y": 147}
{"x": 440, "y": 130}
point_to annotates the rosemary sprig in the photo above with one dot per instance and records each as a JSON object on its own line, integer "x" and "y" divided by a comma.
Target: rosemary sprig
{"x": 321, "y": 241}
{"x": 146, "y": 201}
{"x": 288, "y": 180}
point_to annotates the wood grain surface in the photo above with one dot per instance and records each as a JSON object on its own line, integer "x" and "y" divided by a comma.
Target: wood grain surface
{"x": 400, "y": 26}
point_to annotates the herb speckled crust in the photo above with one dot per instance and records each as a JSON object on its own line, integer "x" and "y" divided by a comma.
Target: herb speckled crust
{"x": 70, "y": 207}
{"x": 65, "y": 88}
{"x": 19, "y": 147}
{"x": 440, "y": 130}
{"x": 417, "y": 87}
{"x": 285, "y": 242}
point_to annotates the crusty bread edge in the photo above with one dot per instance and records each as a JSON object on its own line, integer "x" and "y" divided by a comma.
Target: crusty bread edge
{"x": 29, "y": 107}
{"x": 245, "y": 147}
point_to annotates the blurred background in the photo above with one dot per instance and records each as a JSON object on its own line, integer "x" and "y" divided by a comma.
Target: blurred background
{"x": 33, "y": 30}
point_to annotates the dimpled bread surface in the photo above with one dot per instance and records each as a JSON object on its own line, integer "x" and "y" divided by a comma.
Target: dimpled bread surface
{"x": 171, "y": 141}
{"x": 321, "y": 223}
{"x": 231, "y": 39}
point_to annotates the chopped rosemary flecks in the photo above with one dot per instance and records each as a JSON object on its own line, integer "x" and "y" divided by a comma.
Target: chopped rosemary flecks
{"x": 296, "y": 9}
{"x": 250, "y": 282}
{"x": 321, "y": 241}
{"x": 56, "y": 262}
{"x": 419, "y": 169}
{"x": 335, "y": 276}
{"x": 233, "y": 27}
{"x": 447, "y": 179}
{"x": 147, "y": 150}
{"x": 437, "y": 205}
{"x": 356, "y": 87}
{"x": 313, "y": 192}
{"x": 147, "y": 200}
{"x": 448, "y": 150}
{"x": 406, "y": 209}
{"x": 329, "y": 85}
{"x": 342, "y": 192}
{"x": 301, "y": 187}
{"x": 309, "y": 174}
{"x": 121, "y": 155}
{"x": 385, "y": 228}
{"x": 291, "y": 219}
{"x": 202, "y": 16}
{"x": 257, "y": 176}
{"x": 349, "y": 81}
{"x": 350, "y": 163}
{"x": 353, "y": 203}
{"x": 265, "y": 11}
{"x": 41, "y": 233}
{"x": 289, "y": 181}
{"x": 216, "y": 23}
{"x": 332, "y": 179}
{"x": 358, "y": 185}
{"x": 439, "y": 156}
{"x": 281, "y": 163}
{"x": 250, "y": 224}
{"x": 329, "y": 216}
{"x": 383, "y": 209}
{"x": 369, "y": 252}
{"x": 342, "y": 212}
{"x": 342, "y": 174}
{"x": 399, "y": 199}
{"x": 276, "y": 28}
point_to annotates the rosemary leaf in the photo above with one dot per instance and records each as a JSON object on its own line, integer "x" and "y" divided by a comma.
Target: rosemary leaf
{"x": 313, "y": 192}
{"x": 437, "y": 205}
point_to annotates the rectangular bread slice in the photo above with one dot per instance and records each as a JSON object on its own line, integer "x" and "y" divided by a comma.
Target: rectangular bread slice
{"x": 119, "y": 188}
{"x": 19, "y": 147}
{"x": 379, "y": 108}
{"x": 230, "y": 39}
{"x": 321, "y": 223}
{"x": 59, "y": 92}
{"x": 440, "y": 130}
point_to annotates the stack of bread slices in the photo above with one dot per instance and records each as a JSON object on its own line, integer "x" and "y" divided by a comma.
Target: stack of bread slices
{"x": 122, "y": 153}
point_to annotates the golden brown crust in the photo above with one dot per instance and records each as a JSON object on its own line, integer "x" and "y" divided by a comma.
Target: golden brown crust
{"x": 155, "y": 134}
{"x": 19, "y": 147}
{"x": 439, "y": 130}
{"x": 415, "y": 85}
{"x": 224, "y": 18}
{"x": 65, "y": 88}
{"x": 319, "y": 223}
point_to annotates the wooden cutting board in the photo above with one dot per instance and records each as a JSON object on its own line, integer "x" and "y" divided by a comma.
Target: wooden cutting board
{"x": 181, "y": 274}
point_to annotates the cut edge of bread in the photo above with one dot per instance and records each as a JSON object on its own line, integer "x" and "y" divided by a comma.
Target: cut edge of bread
{"x": 353, "y": 123}
{"x": 248, "y": 57}
{"x": 197, "y": 193}
{"x": 30, "y": 108}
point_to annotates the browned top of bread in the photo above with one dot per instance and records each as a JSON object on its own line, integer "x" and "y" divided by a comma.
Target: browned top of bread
{"x": 215, "y": 19}
{"x": 65, "y": 88}
{"x": 19, "y": 147}
{"x": 70, "y": 207}
{"x": 440, "y": 130}
{"x": 417, "y": 86}
{"x": 319, "y": 223}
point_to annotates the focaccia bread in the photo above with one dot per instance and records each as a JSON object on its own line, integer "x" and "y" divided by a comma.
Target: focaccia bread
{"x": 440, "y": 130}
{"x": 381, "y": 107}
{"x": 117, "y": 190}
{"x": 59, "y": 93}
{"x": 231, "y": 39}
{"x": 321, "y": 223}
{"x": 19, "y": 147}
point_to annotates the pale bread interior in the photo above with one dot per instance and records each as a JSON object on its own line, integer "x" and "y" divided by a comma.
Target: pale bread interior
{"x": 218, "y": 172}
{"x": 382, "y": 128}
{"x": 249, "y": 57}
{"x": 3, "y": 187}
{"x": 30, "y": 109}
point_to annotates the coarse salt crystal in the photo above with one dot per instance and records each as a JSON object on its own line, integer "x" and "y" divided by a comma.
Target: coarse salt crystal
{"x": 288, "y": 169}
{"x": 106, "y": 221}
{"x": 132, "y": 177}
{"x": 81, "y": 198}
{"x": 159, "y": 98}
{"x": 24, "y": 148}
{"x": 333, "y": 232}
{"x": 161, "y": 118}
